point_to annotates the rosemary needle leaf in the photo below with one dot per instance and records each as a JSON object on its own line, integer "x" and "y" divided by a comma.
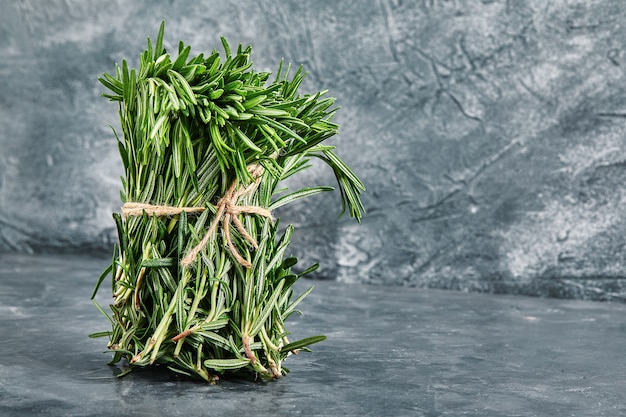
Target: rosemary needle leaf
{"x": 158, "y": 263}
{"x": 104, "y": 274}
{"x": 303, "y": 343}
{"x": 182, "y": 57}
{"x": 305, "y": 192}
{"x": 224, "y": 364}
{"x": 100, "y": 334}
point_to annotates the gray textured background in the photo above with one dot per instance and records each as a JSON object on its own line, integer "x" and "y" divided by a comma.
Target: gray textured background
{"x": 490, "y": 134}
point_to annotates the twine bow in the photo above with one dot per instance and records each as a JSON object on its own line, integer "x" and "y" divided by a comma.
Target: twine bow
{"x": 227, "y": 212}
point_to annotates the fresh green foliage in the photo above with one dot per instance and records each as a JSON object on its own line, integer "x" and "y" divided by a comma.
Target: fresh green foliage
{"x": 192, "y": 128}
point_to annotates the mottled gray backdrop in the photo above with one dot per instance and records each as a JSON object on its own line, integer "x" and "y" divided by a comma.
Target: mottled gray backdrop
{"x": 490, "y": 134}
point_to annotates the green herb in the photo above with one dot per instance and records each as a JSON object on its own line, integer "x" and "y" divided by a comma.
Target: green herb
{"x": 200, "y": 279}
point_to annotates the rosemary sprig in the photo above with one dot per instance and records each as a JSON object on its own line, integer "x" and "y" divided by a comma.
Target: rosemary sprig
{"x": 206, "y": 142}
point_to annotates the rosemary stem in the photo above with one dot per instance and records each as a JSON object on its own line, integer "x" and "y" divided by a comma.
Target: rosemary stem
{"x": 267, "y": 341}
{"x": 197, "y": 298}
{"x": 142, "y": 273}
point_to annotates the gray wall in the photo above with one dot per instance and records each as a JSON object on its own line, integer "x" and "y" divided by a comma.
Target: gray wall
{"x": 490, "y": 134}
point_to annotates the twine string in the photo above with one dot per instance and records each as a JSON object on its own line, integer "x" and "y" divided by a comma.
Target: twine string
{"x": 228, "y": 212}
{"x": 137, "y": 209}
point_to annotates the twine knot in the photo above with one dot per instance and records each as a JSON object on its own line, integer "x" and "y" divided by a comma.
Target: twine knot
{"x": 228, "y": 212}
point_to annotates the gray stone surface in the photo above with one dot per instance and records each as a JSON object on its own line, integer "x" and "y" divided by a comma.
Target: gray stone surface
{"x": 490, "y": 134}
{"x": 390, "y": 352}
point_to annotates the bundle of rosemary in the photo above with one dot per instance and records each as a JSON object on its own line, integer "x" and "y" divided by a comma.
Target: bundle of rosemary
{"x": 200, "y": 280}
